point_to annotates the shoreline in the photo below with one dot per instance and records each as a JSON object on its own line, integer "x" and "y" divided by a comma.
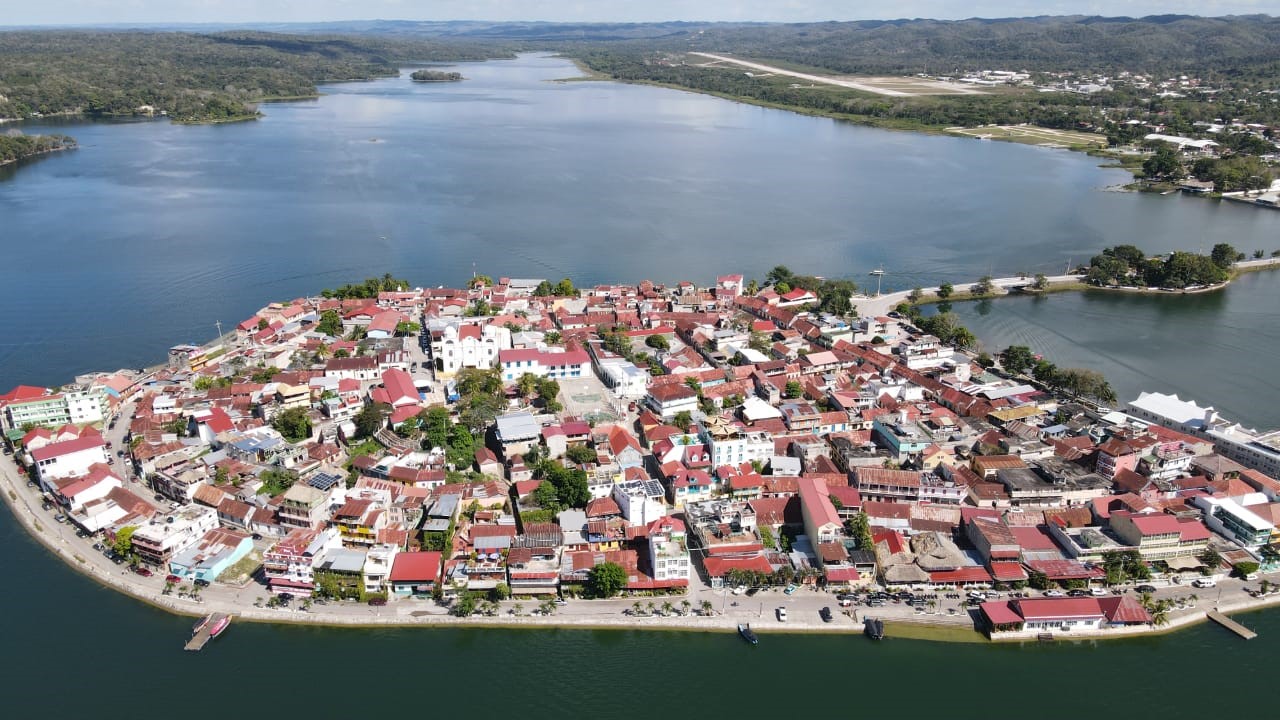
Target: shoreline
{"x": 872, "y": 305}
{"x": 947, "y": 629}
{"x": 35, "y": 155}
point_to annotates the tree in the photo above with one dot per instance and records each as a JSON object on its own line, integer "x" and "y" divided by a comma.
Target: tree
{"x": 1038, "y": 580}
{"x": 915, "y": 294}
{"x": 793, "y": 389}
{"x": 330, "y": 323}
{"x": 606, "y": 580}
{"x": 945, "y": 290}
{"x": 984, "y": 286}
{"x": 276, "y": 481}
{"x": 405, "y": 327}
{"x": 544, "y": 289}
{"x": 1045, "y": 372}
{"x": 480, "y": 281}
{"x": 294, "y": 424}
{"x": 1085, "y": 383}
{"x": 500, "y": 592}
{"x": 565, "y": 287}
{"x": 706, "y": 607}
{"x": 683, "y": 420}
{"x": 779, "y": 274}
{"x": 1041, "y": 282}
{"x": 263, "y": 324}
{"x": 859, "y": 527}
{"x": 1223, "y": 255}
{"x": 759, "y": 342}
{"x": 1211, "y": 559}
{"x": 658, "y": 342}
{"x": 1163, "y": 164}
{"x": 527, "y": 385}
{"x": 123, "y": 544}
{"x": 1244, "y": 568}
{"x": 371, "y": 419}
{"x": 435, "y": 425}
{"x": 581, "y": 454}
{"x": 465, "y": 606}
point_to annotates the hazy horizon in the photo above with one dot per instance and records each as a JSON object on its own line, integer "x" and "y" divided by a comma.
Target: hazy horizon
{"x": 228, "y": 12}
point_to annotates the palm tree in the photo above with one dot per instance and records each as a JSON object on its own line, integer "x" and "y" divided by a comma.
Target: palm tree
{"x": 667, "y": 608}
{"x": 653, "y": 609}
{"x": 257, "y": 602}
{"x": 635, "y": 608}
{"x": 517, "y": 609}
{"x": 685, "y": 605}
{"x": 706, "y": 607}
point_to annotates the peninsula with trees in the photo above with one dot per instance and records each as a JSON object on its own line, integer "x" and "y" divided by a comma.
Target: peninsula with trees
{"x": 520, "y": 452}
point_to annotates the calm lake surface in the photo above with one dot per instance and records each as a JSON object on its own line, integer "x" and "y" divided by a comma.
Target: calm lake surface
{"x": 150, "y": 233}
{"x": 126, "y": 660}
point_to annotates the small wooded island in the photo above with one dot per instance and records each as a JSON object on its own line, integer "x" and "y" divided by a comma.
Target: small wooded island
{"x": 435, "y": 76}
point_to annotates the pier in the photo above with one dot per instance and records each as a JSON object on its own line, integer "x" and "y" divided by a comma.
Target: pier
{"x": 202, "y": 638}
{"x": 1232, "y": 625}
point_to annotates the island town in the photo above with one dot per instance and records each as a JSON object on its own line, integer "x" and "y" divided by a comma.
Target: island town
{"x": 749, "y": 454}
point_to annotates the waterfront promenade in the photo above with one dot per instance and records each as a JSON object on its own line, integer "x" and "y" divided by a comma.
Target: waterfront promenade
{"x": 729, "y": 610}
{"x": 873, "y": 305}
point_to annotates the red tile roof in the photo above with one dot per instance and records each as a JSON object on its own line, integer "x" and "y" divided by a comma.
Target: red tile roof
{"x": 416, "y": 567}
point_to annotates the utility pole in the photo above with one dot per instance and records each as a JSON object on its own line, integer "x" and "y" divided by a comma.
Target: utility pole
{"x": 219, "y": 325}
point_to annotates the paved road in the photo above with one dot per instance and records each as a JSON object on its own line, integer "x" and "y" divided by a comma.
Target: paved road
{"x": 871, "y": 306}
{"x": 839, "y": 82}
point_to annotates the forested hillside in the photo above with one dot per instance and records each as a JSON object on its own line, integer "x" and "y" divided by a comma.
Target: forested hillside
{"x": 192, "y": 78}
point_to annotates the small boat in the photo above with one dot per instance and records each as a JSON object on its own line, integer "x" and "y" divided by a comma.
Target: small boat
{"x": 744, "y": 629}
{"x": 874, "y": 628}
{"x": 220, "y": 626}
{"x": 200, "y": 624}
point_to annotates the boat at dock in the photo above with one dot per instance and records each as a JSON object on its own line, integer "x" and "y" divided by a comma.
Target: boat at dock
{"x": 873, "y": 628}
{"x": 744, "y": 629}
{"x": 220, "y": 626}
{"x": 207, "y": 629}
{"x": 201, "y": 624}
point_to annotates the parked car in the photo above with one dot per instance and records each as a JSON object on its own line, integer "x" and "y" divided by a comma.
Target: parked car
{"x": 1204, "y": 583}
{"x": 143, "y": 571}
{"x": 782, "y": 614}
{"x": 175, "y": 579}
{"x": 377, "y": 602}
{"x": 791, "y": 589}
{"x": 60, "y": 518}
{"x": 844, "y": 602}
{"x": 205, "y": 583}
{"x": 1098, "y": 592}
{"x": 1054, "y": 593}
{"x": 1145, "y": 588}
{"x": 1078, "y": 592}
{"x": 825, "y": 614}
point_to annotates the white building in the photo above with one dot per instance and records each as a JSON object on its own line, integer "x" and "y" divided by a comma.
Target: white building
{"x": 377, "y": 567}
{"x": 1260, "y": 451}
{"x": 624, "y": 378}
{"x": 1234, "y": 521}
{"x": 668, "y": 551}
{"x": 289, "y": 564}
{"x": 70, "y": 458}
{"x": 734, "y": 445}
{"x": 557, "y": 364}
{"x": 469, "y": 346}
{"x": 640, "y": 501}
{"x": 166, "y": 535}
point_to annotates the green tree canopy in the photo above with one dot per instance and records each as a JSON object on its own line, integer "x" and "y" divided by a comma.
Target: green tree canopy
{"x": 606, "y": 580}
{"x": 330, "y": 323}
{"x": 294, "y": 424}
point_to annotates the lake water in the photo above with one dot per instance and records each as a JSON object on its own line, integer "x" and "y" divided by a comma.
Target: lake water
{"x": 150, "y": 233}
{"x": 77, "y": 649}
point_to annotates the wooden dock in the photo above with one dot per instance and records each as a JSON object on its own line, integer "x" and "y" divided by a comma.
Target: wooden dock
{"x": 1232, "y": 625}
{"x": 202, "y": 638}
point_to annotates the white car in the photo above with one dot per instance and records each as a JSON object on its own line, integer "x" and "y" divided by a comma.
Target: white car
{"x": 1097, "y": 592}
{"x": 782, "y": 614}
{"x": 1204, "y": 583}
{"x": 1054, "y": 593}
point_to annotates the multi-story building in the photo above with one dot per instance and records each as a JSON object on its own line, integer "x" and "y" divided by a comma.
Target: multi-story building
{"x": 641, "y": 501}
{"x": 561, "y": 365}
{"x": 211, "y": 554}
{"x": 1158, "y": 536}
{"x": 1234, "y": 521}
{"x": 899, "y": 436}
{"x": 731, "y": 444}
{"x": 668, "y": 552}
{"x": 166, "y": 535}
{"x": 377, "y": 567}
{"x": 907, "y": 486}
{"x": 289, "y": 564}
{"x": 69, "y": 458}
{"x": 35, "y": 406}
{"x": 304, "y": 507}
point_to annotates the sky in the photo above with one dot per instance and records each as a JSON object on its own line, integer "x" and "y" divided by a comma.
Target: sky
{"x": 83, "y": 12}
